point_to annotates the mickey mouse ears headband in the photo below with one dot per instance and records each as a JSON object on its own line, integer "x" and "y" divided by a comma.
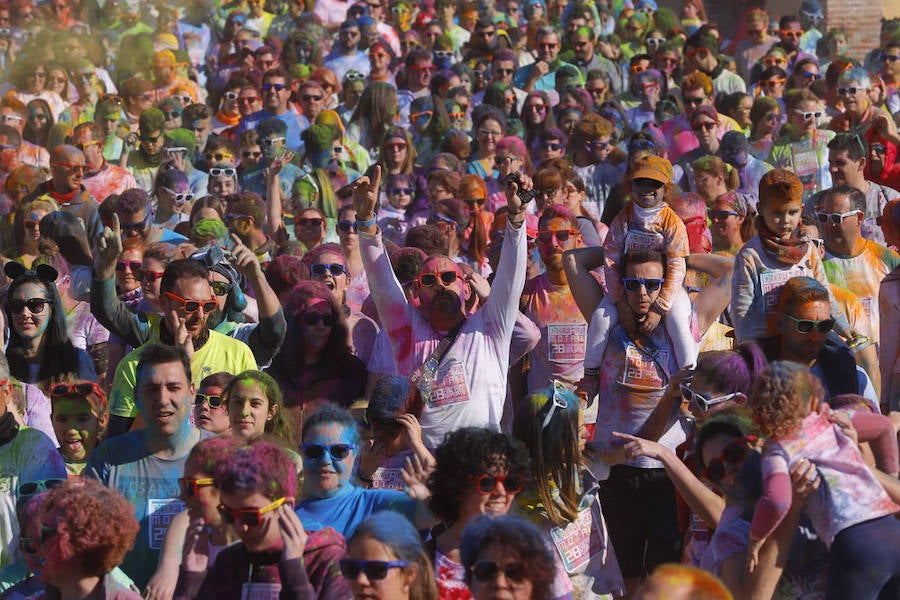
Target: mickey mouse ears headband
{"x": 44, "y": 273}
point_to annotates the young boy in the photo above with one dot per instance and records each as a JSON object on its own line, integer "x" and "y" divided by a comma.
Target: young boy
{"x": 78, "y": 412}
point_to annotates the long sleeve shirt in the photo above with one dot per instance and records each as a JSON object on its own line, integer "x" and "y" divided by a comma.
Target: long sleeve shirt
{"x": 470, "y": 381}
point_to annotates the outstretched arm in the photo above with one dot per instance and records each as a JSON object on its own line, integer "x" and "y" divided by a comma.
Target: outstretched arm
{"x": 714, "y": 298}
{"x": 586, "y": 290}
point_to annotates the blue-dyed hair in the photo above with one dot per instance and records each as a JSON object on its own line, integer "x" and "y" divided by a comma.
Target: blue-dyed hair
{"x": 328, "y": 414}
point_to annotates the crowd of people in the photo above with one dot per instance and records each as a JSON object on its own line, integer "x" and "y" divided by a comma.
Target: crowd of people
{"x": 523, "y": 299}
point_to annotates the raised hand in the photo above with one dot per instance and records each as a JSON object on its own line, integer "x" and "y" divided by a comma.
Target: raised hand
{"x": 182, "y": 336}
{"x": 292, "y": 533}
{"x": 245, "y": 259}
{"x": 365, "y": 195}
{"x": 110, "y": 247}
{"x": 415, "y": 476}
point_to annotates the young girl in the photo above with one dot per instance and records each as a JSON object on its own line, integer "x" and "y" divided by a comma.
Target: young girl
{"x": 393, "y": 218}
{"x": 776, "y": 254}
{"x": 564, "y": 501}
{"x": 851, "y": 511}
{"x": 647, "y": 223}
{"x": 79, "y": 418}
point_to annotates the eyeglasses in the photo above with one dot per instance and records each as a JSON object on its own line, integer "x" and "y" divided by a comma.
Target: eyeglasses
{"x": 396, "y": 146}
{"x": 596, "y": 145}
{"x": 562, "y": 236}
{"x": 172, "y": 115}
{"x": 267, "y": 87}
{"x": 31, "y": 224}
{"x": 334, "y": 451}
{"x": 552, "y": 146}
{"x": 703, "y": 126}
{"x": 430, "y": 279}
{"x": 733, "y": 453}
{"x": 311, "y": 98}
{"x": 425, "y": 114}
{"x": 34, "y": 305}
{"x": 421, "y": 68}
{"x": 556, "y": 401}
{"x": 251, "y": 154}
{"x": 849, "y": 91}
{"x": 666, "y": 60}
{"x": 501, "y": 160}
{"x": 347, "y": 227}
{"x": 135, "y": 228}
{"x": 313, "y": 318}
{"x": 248, "y": 100}
{"x": 654, "y": 41}
{"x": 770, "y": 83}
{"x": 504, "y": 71}
{"x": 634, "y": 284}
{"x": 396, "y": 191}
{"x": 474, "y": 201}
{"x": 308, "y": 221}
{"x": 809, "y": 115}
{"x": 486, "y": 484}
{"x": 890, "y": 57}
{"x": 124, "y": 265}
{"x": 190, "y": 487}
{"x": 151, "y": 276}
{"x": 721, "y": 215}
{"x": 179, "y": 199}
{"x": 805, "y": 326}
{"x": 700, "y": 53}
{"x": 218, "y": 172}
{"x": 486, "y": 570}
{"x": 232, "y": 96}
{"x": 32, "y": 488}
{"x": 374, "y": 570}
{"x": 702, "y": 401}
{"x": 192, "y": 306}
{"x": 791, "y": 32}
{"x": 689, "y": 101}
{"x": 269, "y": 142}
{"x": 772, "y": 117}
{"x": 213, "y": 401}
{"x": 220, "y": 288}
{"x": 336, "y": 269}
{"x": 810, "y": 75}
{"x": 379, "y": 54}
{"x": 774, "y": 61}
{"x": 218, "y": 156}
{"x": 835, "y": 218}
{"x": 539, "y": 107}
{"x": 354, "y": 76}
{"x": 439, "y": 219}
{"x": 456, "y": 116}
{"x": 250, "y": 517}
{"x": 546, "y": 45}
{"x": 72, "y": 167}
{"x": 38, "y": 116}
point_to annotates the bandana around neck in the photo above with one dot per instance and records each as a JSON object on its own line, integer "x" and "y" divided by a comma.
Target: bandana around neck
{"x": 789, "y": 251}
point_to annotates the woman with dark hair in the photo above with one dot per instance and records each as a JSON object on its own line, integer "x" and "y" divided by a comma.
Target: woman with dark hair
{"x": 38, "y": 123}
{"x": 452, "y": 217}
{"x": 257, "y": 486}
{"x": 478, "y": 472}
{"x": 315, "y": 364}
{"x": 26, "y": 232}
{"x": 733, "y": 222}
{"x": 429, "y": 123}
{"x": 537, "y": 115}
{"x": 387, "y": 551}
{"x": 374, "y": 115}
{"x": 30, "y": 79}
{"x": 511, "y": 547}
{"x": 38, "y": 330}
{"x": 564, "y": 498}
{"x": 488, "y": 128}
{"x": 67, "y": 230}
{"x": 502, "y": 96}
{"x": 397, "y": 156}
{"x": 765, "y": 119}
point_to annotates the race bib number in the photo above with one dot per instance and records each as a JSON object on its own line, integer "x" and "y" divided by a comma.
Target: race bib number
{"x": 771, "y": 283}
{"x": 449, "y": 384}
{"x": 567, "y": 341}
{"x": 641, "y": 371}
{"x": 641, "y": 241}
{"x": 868, "y": 305}
{"x": 260, "y": 591}
{"x": 806, "y": 165}
{"x": 576, "y": 541}
{"x": 161, "y": 511}
{"x": 388, "y": 479}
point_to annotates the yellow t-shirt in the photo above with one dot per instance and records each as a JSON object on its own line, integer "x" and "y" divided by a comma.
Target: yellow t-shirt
{"x": 219, "y": 353}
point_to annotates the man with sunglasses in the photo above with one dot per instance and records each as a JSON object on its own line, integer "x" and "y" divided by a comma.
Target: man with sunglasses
{"x": 144, "y": 465}
{"x": 701, "y": 53}
{"x": 275, "y": 163}
{"x": 188, "y": 301}
{"x": 67, "y": 168}
{"x": 166, "y": 79}
{"x": 749, "y": 51}
{"x": 860, "y": 115}
{"x": 805, "y": 335}
{"x": 245, "y": 217}
{"x": 276, "y": 93}
{"x": 179, "y": 148}
{"x": 26, "y": 455}
{"x": 541, "y": 74}
{"x": 852, "y": 262}
{"x": 633, "y": 375}
{"x": 467, "y": 386}
{"x": 145, "y": 163}
{"x": 696, "y": 91}
{"x": 101, "y": 178}
{"x": 346, "y": 54}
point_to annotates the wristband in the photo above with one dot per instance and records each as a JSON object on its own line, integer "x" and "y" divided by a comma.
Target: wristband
{"x": 592, "y": 372}
{"x": 370, "y": 223}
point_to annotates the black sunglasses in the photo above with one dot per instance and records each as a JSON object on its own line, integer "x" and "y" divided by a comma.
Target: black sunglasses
{"x": 335, "y": 451}
{"x": 374, "y": 569}
{"x": 35, "y": 305}
{"x": 485, "y": 570}
{"x": 633, "y": 284}
{"x": 313, "y": 318}
{"x": 336, "y": 269}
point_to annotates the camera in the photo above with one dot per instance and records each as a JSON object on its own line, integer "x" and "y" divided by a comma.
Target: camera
{"x": 524, "y": 196}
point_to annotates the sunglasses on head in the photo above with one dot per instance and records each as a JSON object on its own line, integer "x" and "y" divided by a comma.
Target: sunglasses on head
{"x": 336, "y": 269}
{"x": 732, "y": 454}
{"x": 190, "y": 486}
{"x": 486, "y": 570}
{"x": 335, "y": 451}
{"x": 312, "y": 319}
{"x": 562, "y": 236}
{"x": 34, "y": 305}
{"x": 805, "y": 326}
{"x": 374, "y": 570}
{"x": 250, "y": 517}
{"x": 192, "y": 306}
{"x": 704, "y": 402}
{"x": 31, "y": 488}
{"x": 218, "y": 172}
{"x": 430, "y": 279}
{"x": 634, "y": 284}
{"x": 151, "y": 276}
{"x": 213, "y": 401}
{"x": 486, "y": 484}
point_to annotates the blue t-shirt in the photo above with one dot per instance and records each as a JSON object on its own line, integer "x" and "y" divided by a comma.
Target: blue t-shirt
{"x": 350, "y": 507}
{"x": 150, "y": 483}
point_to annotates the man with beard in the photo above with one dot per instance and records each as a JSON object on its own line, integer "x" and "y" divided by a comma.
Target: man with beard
{"x": 144, "y": 163}
{"x": 67, "y": 168}
{"x": 460, "y": 363}
{"x": 548, "y": 302}
{"x": 187, "y": 301}
{"x": 702, "y": 54}
{"x": 276, "y": 92}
